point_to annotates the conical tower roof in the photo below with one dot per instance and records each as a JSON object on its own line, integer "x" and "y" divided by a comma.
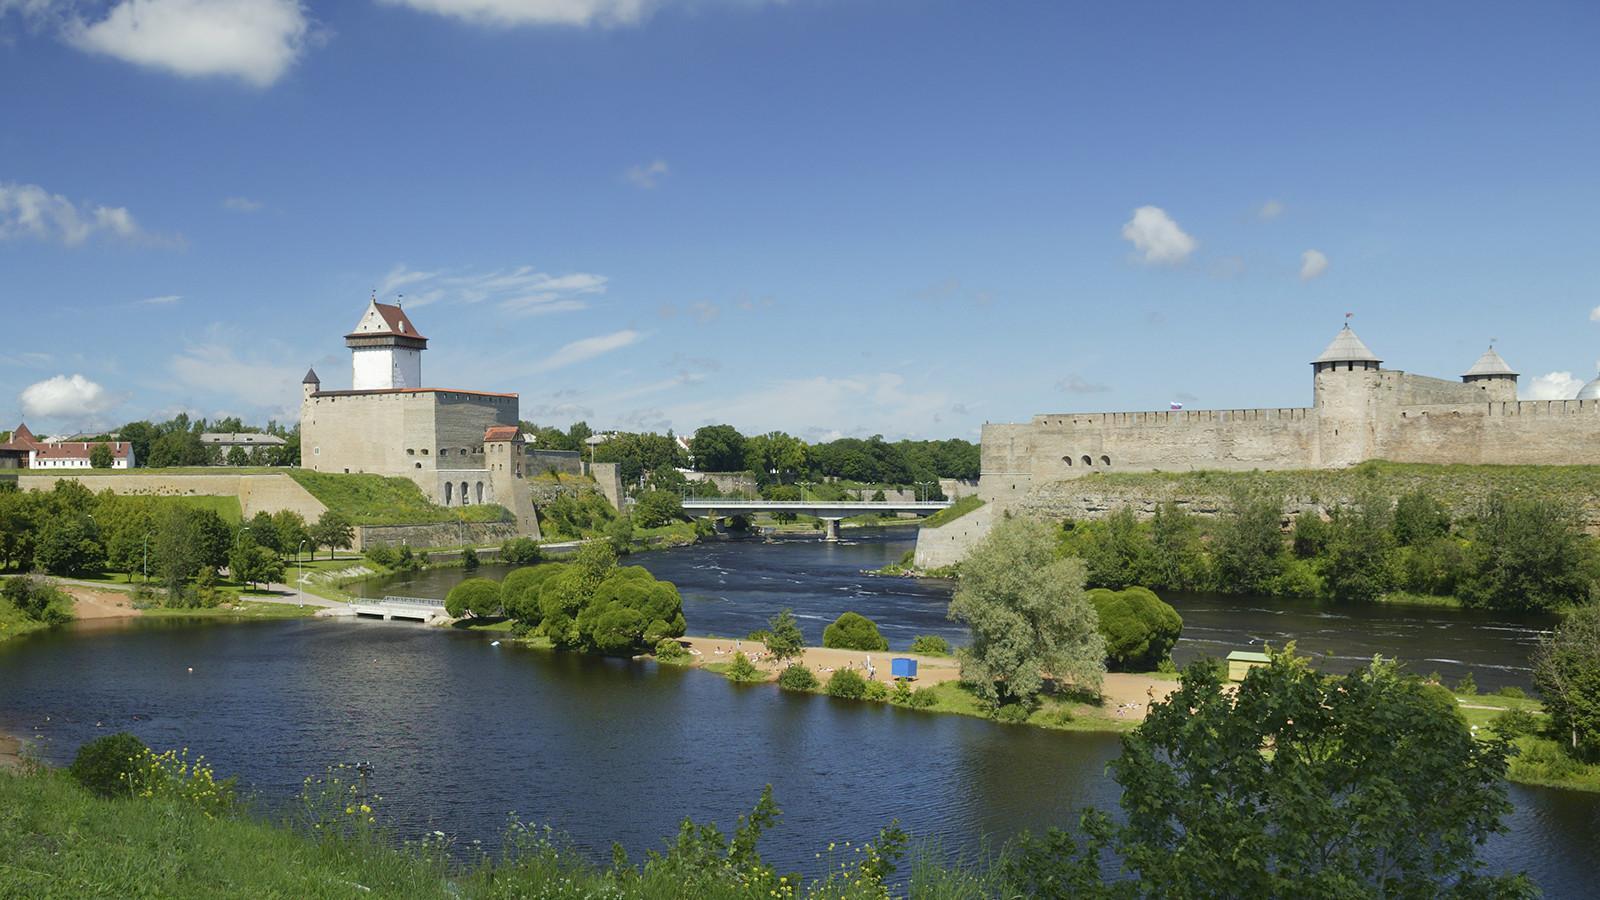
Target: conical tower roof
{"x": 1489, "y": 363}
{"x": 1346, "y": 347}
{"x": 311, "y": 377}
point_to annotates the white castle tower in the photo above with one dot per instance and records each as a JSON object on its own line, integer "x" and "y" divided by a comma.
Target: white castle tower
{"x": 385, "y": 350}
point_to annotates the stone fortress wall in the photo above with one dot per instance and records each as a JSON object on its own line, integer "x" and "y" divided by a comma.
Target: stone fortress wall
{"x": 1359, "y": 411}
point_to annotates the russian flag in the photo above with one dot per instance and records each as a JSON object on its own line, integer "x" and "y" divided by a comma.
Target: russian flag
{"x": 1174, "y": 405}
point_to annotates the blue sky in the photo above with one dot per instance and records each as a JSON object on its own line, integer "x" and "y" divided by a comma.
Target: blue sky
{"x": 824, "y": 216}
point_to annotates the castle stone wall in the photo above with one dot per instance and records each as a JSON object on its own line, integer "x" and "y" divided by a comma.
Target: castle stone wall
{"x": 268, "y": 493}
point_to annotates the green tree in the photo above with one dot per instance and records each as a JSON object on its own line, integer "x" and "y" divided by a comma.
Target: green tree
{"x": 37, "y": 599}
{"x": 619, "y": 535}
{"x": 19, "y": 512}
{"x": 1028, "y": 614}
{"x": 1248, "y": 545}
{"x": 292, "y": 532}
{"x": 717, "y": 448}
{"x": 334, "y": 531}
{"x": 1373, "y": 787}
{"x": 784, "y": 640}
{"x": 1139, "y": 628}
{"x": 253, "y": 564}
{"x": 264, "y": 532}
{"x": 477, "y": 597}
{"x": 237, "y": 457}
{"x": 1419, "y": 518}
{"x": 519, "y": 591}
{"x": 100, "y": 456}
{"x": 774, "y": 455}
{"x": 1528, "y": 554}
{"x": 520, "y": 551}
{"x": 853, "y": 631}
{"x": 1355, "y": 563}
{"x": 563, "y": 596}
{"x": 1177, "y": 559}
{"x": 69, "y": 545}
{"x": 1115, "y": 550}
{"x": 629, "y": 612}
{"x": 656, "y": 508}
{"x": 1566, "y": 670}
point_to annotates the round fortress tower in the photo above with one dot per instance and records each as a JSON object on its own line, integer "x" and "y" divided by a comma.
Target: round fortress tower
{"x": 1494, "y": 376}
{"x": 1345, "y": 387}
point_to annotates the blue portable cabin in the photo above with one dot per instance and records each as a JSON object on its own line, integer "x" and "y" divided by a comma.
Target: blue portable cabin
{"x": 903, "y": 667}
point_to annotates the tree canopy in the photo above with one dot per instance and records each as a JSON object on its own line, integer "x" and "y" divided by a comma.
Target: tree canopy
{"x": 1566, "y": 670}
{"x": 1029, "y": 615}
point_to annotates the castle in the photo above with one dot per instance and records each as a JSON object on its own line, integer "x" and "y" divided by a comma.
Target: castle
{"x": 1359, "y": 411}
{"x": 461, "y": 447}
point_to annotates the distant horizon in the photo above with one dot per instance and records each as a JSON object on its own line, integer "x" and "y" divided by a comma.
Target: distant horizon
{"x": 827, "y": 218}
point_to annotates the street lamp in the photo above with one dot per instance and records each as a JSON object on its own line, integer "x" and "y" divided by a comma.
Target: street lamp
{"x": 300, "y": 582}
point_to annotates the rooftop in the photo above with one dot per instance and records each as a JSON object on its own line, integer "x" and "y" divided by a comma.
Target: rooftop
{"x": 241, "y": 437}
{"x": 1346, "y": 347}
{"x": 393, "y": 321}
{"x": 1490, "y": 363}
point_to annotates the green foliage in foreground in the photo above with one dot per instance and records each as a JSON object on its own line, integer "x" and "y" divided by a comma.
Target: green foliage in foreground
{"x": 1140, "y": 629}
{"x": 796, "y": 677}
{"x": 36, "y": 600}
{"x": 853, "y": 631}
{"x": 105, "y": 765}
{"x": 1566, "y": 669}
{"x": 382, "y": 500}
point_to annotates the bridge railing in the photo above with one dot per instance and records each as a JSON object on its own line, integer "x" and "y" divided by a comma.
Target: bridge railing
{"x": 394, "y": 600}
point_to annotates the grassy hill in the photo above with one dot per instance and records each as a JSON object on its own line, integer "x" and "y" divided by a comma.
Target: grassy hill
{"x": 380, "y": 500}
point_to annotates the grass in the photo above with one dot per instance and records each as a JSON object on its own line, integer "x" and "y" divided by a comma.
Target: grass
{"x": 239, "y": 609}
{"x": 382, "y": 500}
{"x": 14, "y": 624}
{"x": 1459, "y": 487}
{"x": 952, "y": 512}
{"x": 226, "y": 507}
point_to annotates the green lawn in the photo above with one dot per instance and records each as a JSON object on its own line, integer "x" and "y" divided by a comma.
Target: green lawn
{"x": 238, "y": 609}
{"x": 14, "y": 624}
{"x": 952, "y": 512}
{"x": 226, "y": 507}
{"x": 381, "y": 500}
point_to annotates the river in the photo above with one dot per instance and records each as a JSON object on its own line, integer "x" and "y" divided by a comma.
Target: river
{"x": 461, "y": 732}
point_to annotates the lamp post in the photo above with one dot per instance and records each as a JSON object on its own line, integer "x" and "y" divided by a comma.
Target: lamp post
{"x": 300, "y": 580}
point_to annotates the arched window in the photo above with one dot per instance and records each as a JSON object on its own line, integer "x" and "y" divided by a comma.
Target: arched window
{"x": 1087, "y": 460}
{"x": 480, "y": 492}
{"x": 464, "y": 498}
{"x": 1105, "y": 460}
{"x": 447, "y": 487}
{"x": 1067, "y": 460}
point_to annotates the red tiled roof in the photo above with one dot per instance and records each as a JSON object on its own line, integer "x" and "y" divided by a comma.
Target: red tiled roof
{"x": 81, "y": 449}
{"x": 21, "y": 439}
{"x": 395, "y": 322}
{"x": 501, "y": 433}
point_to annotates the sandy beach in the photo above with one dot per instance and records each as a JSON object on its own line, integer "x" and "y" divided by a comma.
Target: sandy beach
{"x": 1125, "y": 694}
{"x": 92, "y": 603}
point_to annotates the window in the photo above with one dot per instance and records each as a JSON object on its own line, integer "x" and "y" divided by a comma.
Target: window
{"x": 1087, "y": 460}
{"x": 480, "y": 492}
{"x": 411, "y": 451}
{"x": 1105, "y": 460}
{"x": 447, "y": 493}
{"x": 464, "y": 500}
{"x": 418, "y": 465}
{"x": 1067, "y": 460}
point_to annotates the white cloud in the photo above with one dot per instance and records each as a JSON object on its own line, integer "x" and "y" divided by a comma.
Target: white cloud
{"x": 1594, "y": 314}
{"x": 1077, "y": 384}
{"x": 704, "y": 311}
{"x": 241, "y": 204}
{"x": 1270, "y": 210}
{"x": 521, "y": 291}
{"x": 512, "y": 13}
{"x": 1157, "y": 237}
{"x": 28, "y": 210}
{"x": 72, "y": 397}
{"x": 164, "y": 300}
{"x": 1313, "y": 263}
{"x": 214, "y": 367}
{"x": 646, "y": 176}
{"x": 588, "y": 348}
{"x": 1552, "y": 386}
{"x": 255, "y": 41}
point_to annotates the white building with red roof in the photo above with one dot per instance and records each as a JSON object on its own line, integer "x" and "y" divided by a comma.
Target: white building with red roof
{"x": 30, "y": 452}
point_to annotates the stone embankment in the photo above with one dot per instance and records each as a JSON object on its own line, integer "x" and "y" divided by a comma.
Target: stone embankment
{"x": 267, "y": 493}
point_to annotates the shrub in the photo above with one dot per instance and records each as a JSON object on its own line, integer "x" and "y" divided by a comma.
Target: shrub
{"x": 1298, "y": 580}
{"x": 1138, "y": 627}
{"x": 1467, "y": 685}
{"x": 876, "y": 690}
{"x": 930, "y": 645}
{"x": 669, "y": 650}
{"x": 796, "y": 677}
{"x": 469, "y": 558}
{"x": 106, "y": 765}
{"x": 475, "y": 596}
{"x": 853, "y": 631}
{"x": 742, "y": 669}
{"x": 848, "y": 684}
{"x": 520, "y": 551}
{"x": 655, "y": 508}
{"x": 383, "y": 556}
{"x": 1514, "y": 723}
{"x": 760, "y": 636}
{"x": 901, "y": 695}
{"x": 38, "y": 599}
{"x": 784, "y": 639}
{"x": 519, "y": 591}
{"x": 1060, "y": 717}
{"x": 924, "y": 698}
{"x": 1012, "y": 713}
{"x": 1514, "y": 693}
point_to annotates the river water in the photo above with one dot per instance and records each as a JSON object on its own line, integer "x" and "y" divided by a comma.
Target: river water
{"x": 461, "y": 732}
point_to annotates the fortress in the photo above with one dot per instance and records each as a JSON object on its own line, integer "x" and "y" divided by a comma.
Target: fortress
{"x": 461, "y": 447}
{"x": 1359, "y": 411}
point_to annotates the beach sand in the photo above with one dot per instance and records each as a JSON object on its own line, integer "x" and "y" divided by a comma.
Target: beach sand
{"x": 1125, "y": 694}
{"x": 91, "y": 603}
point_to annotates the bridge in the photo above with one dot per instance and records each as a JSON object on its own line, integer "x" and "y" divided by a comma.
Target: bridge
{"x": 415, "y": 609}
{"x": 829, "y": 511}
